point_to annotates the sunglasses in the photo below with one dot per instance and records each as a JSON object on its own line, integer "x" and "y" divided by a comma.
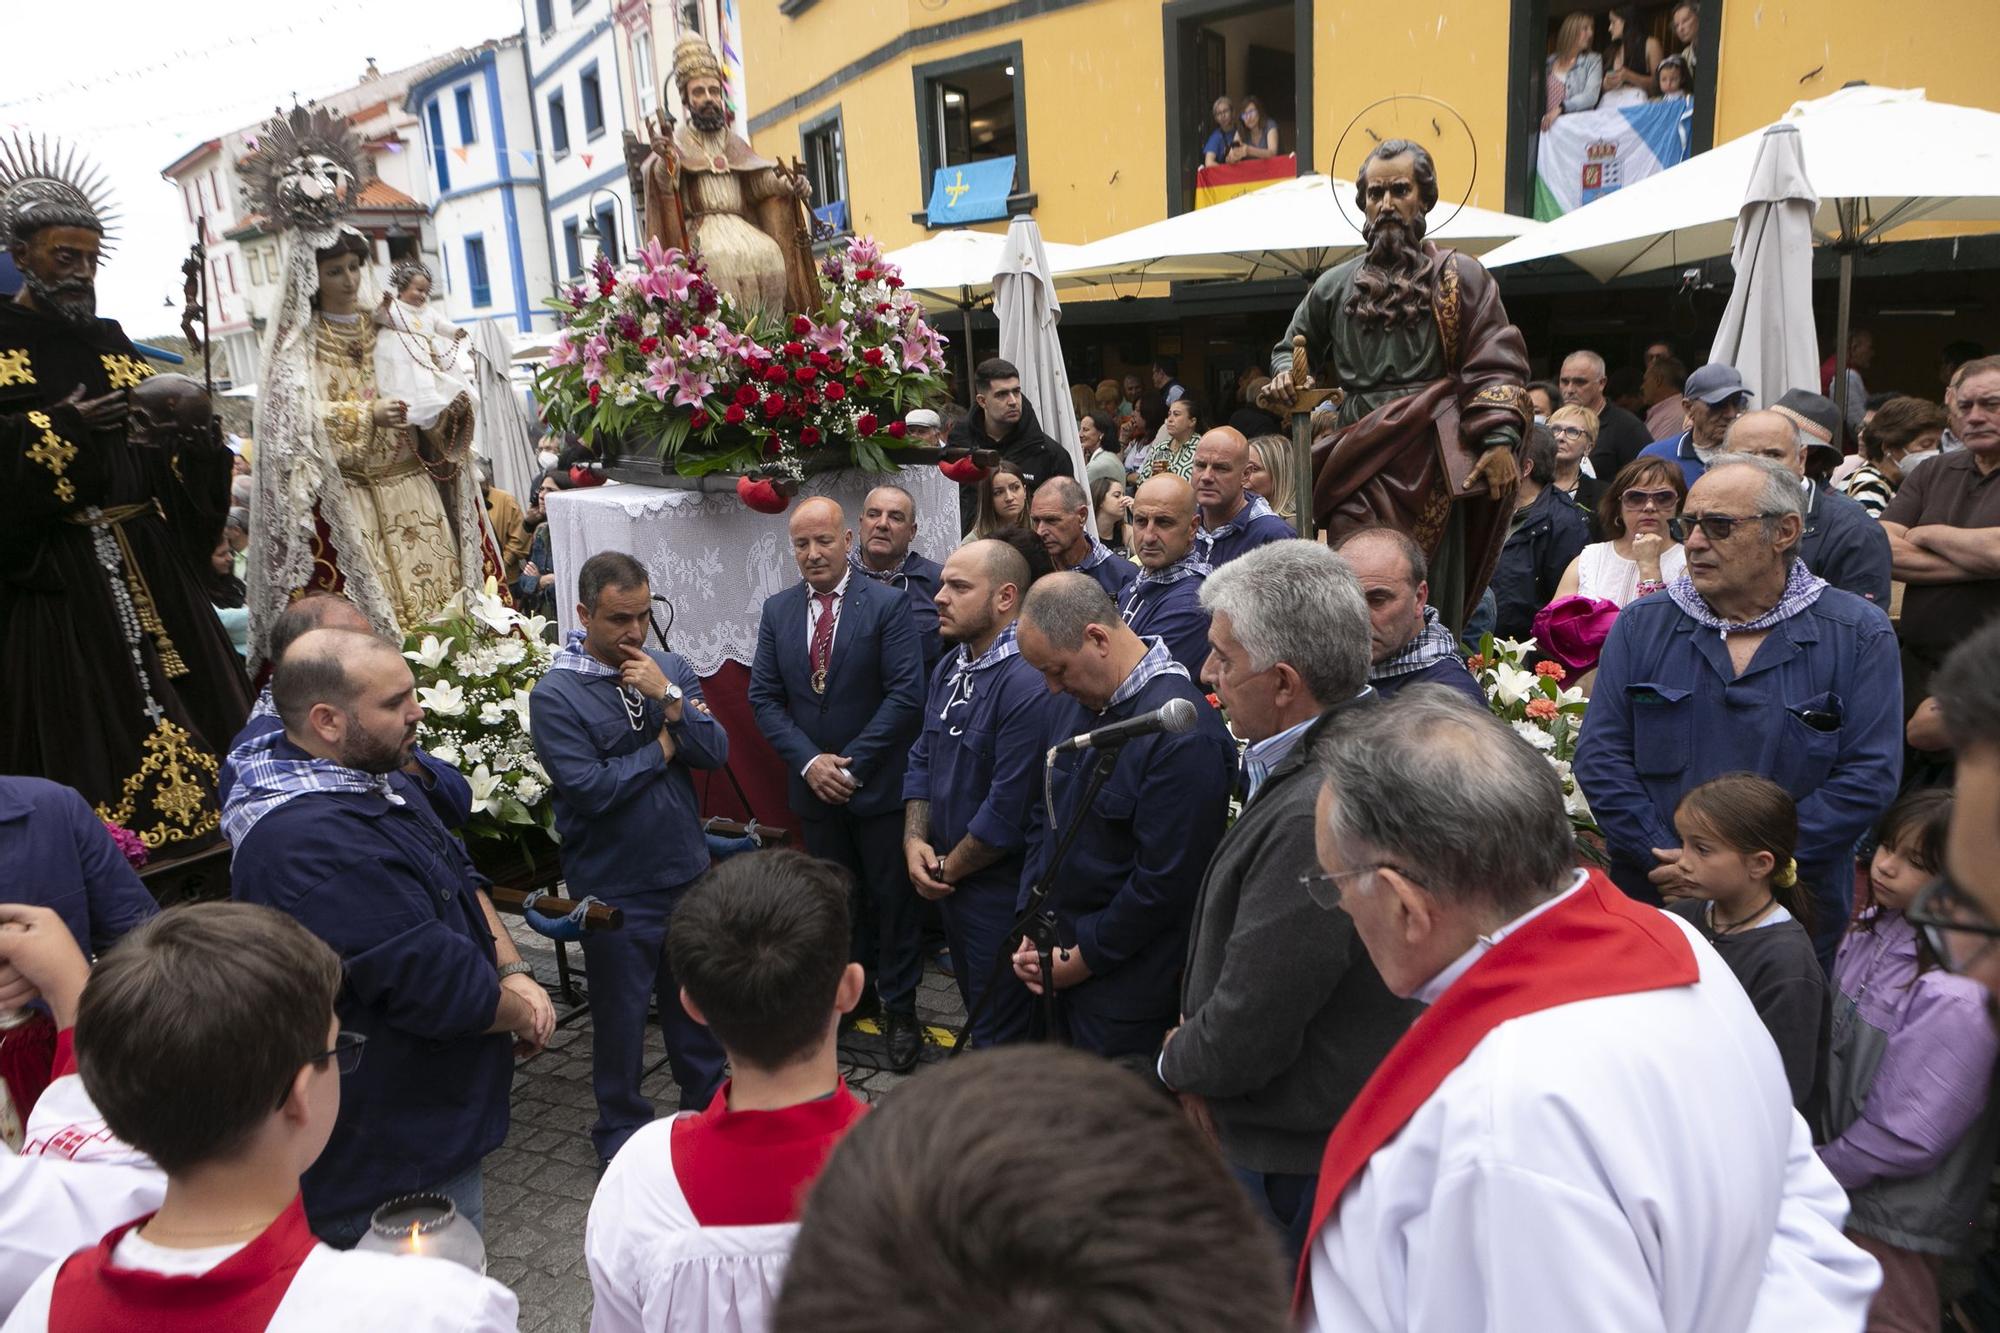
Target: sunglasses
{"x": 1664, "y": 499}
{"x": 1716, "y": 527}
{"x": 1957, "y": 928}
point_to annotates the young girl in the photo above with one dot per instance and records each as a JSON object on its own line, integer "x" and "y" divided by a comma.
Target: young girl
{"x": 1910, "y": 1130}
{"x": 418, "y": 357}
{"x": 1737, "y": 834}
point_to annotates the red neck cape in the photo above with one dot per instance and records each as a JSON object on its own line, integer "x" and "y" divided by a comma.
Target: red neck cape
{"x": 751, "y": 1168}
{"x": 1593, "y": 944}
{"x": 240, "y": 1293}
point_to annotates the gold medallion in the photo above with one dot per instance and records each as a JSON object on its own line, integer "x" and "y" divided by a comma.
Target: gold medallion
{"x": 819, "y": 681}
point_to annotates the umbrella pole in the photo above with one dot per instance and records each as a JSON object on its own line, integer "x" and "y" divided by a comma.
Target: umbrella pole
{"x": 1840, "y": 334}
{"x": 965, "y": 313}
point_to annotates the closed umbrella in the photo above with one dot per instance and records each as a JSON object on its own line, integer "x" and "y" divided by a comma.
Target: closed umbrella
{"x": 500, "y": 433}
{"x": 1024, "y": 299}
{"x": 1767, "y": 331}
{"x": 954, "y": 270}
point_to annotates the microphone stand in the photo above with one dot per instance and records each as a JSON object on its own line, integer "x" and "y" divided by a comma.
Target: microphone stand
{"x": 1037, "y": 920}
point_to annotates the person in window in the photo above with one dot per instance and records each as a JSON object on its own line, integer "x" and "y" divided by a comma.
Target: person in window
{"x": 1675, "y": 78}
{"x": 1575, "y": 72}
{"x": 1687, "y": 30}
{"x": 1634, "y": 55}
{"x": 1216, "y": 150}
{"x": 1256, "y": 133}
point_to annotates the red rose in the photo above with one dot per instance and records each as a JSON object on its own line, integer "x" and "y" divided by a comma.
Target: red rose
{"x": 865, "y": 424}
{"x": 805, "y": 374}
{"x": 861, "y": 383}
{"x": 773, "y": 446}
{"x": 897, "y": 430}
{"x": 809, "y": 436}
{"x": 775, "y": 375}
{"x": 735, "y": 414}
{"x": 699, "y": 420}
{"x": 820, "y": 359}
{"x": 810, "y": 397}
{"x": 801, "y": 325}
{"x": 795, "y": 350}
{"x": 881, "y": 307}
{"x": 606, "y": 287}
{"x": 835, "y": 391}
{"x": 648, "y": 346}
{"x": 797, "y": 411}
{"x": 699, "y": 330}
{"x": 873, "y": 356}
{"x": 747, "y": 395}
{"x": 894, "y": 283}
{"x": 864, "y": 275}
{"x": 774, "y": 404}
{"x": 593, "y": 395}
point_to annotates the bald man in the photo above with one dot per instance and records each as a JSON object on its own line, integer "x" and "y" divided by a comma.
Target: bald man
{"x": 976, "y": 769}
{"x": 838, "y": 689}
{"x": 1841, "y": 542}
{"x": 1233, "y": 520}
{"x": 1163, "y": 600}
{"x": 424, "y": 776}
{"x": 322, "y": 835}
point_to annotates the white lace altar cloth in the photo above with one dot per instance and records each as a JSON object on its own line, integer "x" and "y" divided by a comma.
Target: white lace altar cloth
{"x": 715, "y": 558}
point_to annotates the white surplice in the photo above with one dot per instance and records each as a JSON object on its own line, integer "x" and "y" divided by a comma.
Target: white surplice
{"x": 1630, "y": 1163}
{"x": 654, "y": 1268}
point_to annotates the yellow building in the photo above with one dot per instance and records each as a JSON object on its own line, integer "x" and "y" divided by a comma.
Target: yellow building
{"x": 1104, "y": 105}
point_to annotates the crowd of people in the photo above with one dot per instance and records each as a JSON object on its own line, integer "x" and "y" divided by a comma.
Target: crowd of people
{"x": 1629, "y": 66}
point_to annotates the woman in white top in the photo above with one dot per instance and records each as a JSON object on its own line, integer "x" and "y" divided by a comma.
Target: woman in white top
{"x": 1641, "y": 556}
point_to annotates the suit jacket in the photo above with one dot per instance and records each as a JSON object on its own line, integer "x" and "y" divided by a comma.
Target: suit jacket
{"x": 873, "y": 705}
{"x": 1843, "y": 544}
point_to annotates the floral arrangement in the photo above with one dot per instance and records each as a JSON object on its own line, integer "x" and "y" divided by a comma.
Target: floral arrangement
{"x": 130, "y": 846}
{"x": 475, "y": 667}
{"x": 1538, "y": 708}
{"x": 653, "y": 351}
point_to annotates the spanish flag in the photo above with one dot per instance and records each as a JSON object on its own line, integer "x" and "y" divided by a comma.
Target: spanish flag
{"x": 1214, "y": 184}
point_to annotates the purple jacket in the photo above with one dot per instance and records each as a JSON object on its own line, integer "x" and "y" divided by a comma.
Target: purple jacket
{"x": 1910, "y": 1129}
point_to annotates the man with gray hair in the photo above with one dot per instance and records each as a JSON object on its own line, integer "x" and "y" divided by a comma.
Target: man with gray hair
{"x": 1126, "y": 888}
{"x": 1838, "y": 541}
{"x": 1588, "y": 1127}
{"x": 1060, "y": 515}
{"x": 1750, "y": 664}
{"x": 1283, "y": 1016}
{"x": 1620, "y": 434}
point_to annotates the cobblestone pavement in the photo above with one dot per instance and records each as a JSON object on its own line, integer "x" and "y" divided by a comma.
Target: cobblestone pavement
{"x": 539, "y": 1183}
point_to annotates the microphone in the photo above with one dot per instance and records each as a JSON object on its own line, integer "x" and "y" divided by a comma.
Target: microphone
{"x": 1172, "y": 717}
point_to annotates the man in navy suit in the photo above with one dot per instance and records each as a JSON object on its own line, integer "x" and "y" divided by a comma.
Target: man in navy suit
{"x": 838, "y": 690}
{"x": 1125, "y": 896}
{"x": 888, "y": 526}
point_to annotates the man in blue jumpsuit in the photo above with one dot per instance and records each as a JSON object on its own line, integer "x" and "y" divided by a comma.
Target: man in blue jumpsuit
{"x": 321, "y": 834}
{"x": 888, "y": 526}
{"x": 59, "y": 855}
{"x": 1060, "y": 515}
{"x": 1164, "y": 600}
{"x": 1125, "y": 893}
{"x": 620, "y": 727}
{"x": 976, "y": 768}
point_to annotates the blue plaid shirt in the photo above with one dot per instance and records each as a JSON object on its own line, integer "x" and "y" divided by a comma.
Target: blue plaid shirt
{"x": 264, "y": 782}
{"x": 1156, "y": 663}
{"x": 1254, "y": 507}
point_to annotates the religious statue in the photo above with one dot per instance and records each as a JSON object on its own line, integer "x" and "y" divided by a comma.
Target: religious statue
{"x": 119, "y": 680}
{"x": 707, "y": 194}
{"x": 1435, "y": 407}
{"x": 350, "y": 495}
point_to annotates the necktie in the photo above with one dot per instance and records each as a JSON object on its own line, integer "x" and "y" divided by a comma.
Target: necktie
{"x": 822, "y": 641}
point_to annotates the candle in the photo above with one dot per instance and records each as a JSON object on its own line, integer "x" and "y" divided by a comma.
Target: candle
{"x": 426, "y": 1225}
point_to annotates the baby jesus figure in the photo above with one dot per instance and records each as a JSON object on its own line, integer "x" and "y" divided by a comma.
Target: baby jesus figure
{"x": 418, "y": 356}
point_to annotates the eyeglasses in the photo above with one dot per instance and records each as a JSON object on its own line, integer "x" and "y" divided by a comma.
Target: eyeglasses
{"x": 1664, "y": 499}
{"x": 346, "y": 1051}
{"x": 1716, "y": 527}
{"x": 1325, "y": 888}
{"x": 1957, "y": 928}
{"x": 1569, "y": 432}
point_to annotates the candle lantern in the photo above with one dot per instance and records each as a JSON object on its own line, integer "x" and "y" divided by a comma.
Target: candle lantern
{"x": 428, "y": 1225}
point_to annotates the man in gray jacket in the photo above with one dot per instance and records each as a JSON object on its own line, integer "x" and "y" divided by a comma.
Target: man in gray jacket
{"x": 1283, "y": 1017}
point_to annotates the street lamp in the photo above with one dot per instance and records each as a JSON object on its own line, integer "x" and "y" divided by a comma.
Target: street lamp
{"x": 590, "y": 229}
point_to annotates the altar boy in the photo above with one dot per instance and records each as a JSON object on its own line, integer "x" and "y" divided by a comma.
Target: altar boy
{"x": 694, "y": 1220}
{"x": 208, "y": 1041}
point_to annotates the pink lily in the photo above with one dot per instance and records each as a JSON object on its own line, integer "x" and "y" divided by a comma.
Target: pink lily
{"x": 563, "y": 352}
{"x": 691, "y": 388}
{"x": 829, "y": 338}
{"x": 662, "y": 377}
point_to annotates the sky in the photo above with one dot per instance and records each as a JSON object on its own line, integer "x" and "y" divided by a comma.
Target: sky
{"x": 141, "y": 84}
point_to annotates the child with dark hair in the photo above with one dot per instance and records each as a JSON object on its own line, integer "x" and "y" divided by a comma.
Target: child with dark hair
{"x": 694, "y": 1220}
{"x": 1910, "y": 1125}
{"x": 1737, "y": 834}
{"x": 207, "y": 1040}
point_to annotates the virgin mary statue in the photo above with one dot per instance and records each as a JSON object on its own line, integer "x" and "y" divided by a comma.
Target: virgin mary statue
{"x": 349, "y": 497}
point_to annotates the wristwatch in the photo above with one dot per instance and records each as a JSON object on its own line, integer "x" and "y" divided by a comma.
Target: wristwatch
{"x": 515, "y": 969}
{"x": 673, "y": 693}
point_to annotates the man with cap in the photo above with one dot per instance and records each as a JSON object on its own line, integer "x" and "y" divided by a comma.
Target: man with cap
{"x": 1714, "y": 397}
{"x": 924, "y": 426}
{"x": 1839, "y": 542}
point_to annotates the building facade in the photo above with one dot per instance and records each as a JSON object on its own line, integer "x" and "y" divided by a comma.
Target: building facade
{"x": 578, "y": 85}
{"x": 480, "y": 165}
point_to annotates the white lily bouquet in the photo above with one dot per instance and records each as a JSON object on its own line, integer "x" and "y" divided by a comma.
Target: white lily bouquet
{"x": 475, "y": 667}
{"x": 1538, "y": 708}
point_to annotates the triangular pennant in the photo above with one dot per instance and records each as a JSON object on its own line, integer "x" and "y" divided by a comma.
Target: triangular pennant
{"x": 586, "y": 159}
{"x": 463, "y": 153}
{"x": 527, "y": 155}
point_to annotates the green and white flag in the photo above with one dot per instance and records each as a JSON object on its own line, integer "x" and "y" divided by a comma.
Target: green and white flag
{"x": 1590, "y": 153}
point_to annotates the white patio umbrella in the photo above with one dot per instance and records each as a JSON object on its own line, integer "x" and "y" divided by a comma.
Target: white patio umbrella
{"x": 500, "y": 432}
{"x": 954, "y": 270}
{"x": 1024, "y": 299}
{"x": 1296, "y": 228}
{"x": 1767, "y": 331}
{"x": 1878, "y": 159}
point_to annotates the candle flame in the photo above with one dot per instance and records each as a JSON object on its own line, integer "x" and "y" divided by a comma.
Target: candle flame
{"x": 416, "y": 1240}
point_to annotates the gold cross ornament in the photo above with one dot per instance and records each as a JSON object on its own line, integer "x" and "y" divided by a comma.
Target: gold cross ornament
{"x": 15, "y": 368}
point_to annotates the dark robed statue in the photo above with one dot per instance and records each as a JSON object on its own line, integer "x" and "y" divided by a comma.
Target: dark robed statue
{"x": 1435, "y": 378}
{"x": 118, "y": 679}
